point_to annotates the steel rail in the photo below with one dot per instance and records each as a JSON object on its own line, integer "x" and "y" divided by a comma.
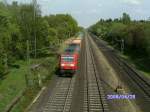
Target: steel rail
{"x": 143, "y": 84}
{"x": 96, "y": 101}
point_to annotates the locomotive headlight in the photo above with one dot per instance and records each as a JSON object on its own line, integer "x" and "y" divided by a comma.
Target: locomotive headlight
{"x": 72, "y": 65}
{"x": 62, "y": 64}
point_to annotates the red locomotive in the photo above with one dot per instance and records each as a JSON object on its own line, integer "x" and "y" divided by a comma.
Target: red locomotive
{"x": 68, "y": 63}
{"x": 69, "y": 59}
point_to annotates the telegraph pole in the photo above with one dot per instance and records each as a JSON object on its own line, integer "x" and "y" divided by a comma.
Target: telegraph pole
{"x": 119, "y": 87}
{"x": 122, "y": 46}
{"x": 28, "y": 63}
{"x": 35, "y": 37}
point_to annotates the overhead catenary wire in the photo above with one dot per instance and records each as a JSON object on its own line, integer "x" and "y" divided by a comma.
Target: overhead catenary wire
{"x": 40, "y": 49}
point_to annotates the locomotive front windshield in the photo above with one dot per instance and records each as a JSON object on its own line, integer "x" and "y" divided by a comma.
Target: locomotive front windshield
{"x": 67, "y": 59}
{"x": 69, "y": 50}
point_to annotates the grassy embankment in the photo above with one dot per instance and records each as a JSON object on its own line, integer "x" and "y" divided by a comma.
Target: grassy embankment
{"x": 14, "y": 83}
{"x": 139, "y": 61}
{"x": 47, "y": 71}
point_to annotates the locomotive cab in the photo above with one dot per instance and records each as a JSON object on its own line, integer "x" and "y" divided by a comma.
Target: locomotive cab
{"x": 68, "y": 63}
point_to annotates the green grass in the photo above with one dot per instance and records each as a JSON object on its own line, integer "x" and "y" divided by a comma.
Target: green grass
{"x": 14, "y": 82}
{"x": 25, "y": 100}
{"x": 141, "y": 63}
{"x": 46, "y": 70}
{"x": 12, "y": 85}
{"x": 137, "y": 58}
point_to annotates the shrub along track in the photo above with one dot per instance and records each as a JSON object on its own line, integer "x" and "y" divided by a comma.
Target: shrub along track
{"x": 128, "y": 76}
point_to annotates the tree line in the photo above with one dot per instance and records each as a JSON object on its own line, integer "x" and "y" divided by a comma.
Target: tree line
{"x": 20, "y": 23}
{"x": 135, "y": 33}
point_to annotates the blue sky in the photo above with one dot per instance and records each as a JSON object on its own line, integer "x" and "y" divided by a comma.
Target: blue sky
{"x": 88, "y": 12}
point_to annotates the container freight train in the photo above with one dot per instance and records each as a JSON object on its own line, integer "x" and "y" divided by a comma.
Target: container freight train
{"x": 68, "y": 63}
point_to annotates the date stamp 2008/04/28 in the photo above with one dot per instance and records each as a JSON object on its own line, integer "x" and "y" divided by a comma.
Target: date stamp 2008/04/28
{"x": 119, "y": 97}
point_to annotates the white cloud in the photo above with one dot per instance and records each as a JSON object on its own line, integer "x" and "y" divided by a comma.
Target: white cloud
{"x": 93, "y": 11}
{"x": 44, "y": 0}
{"x": 133, "y": 2}
{"x": 140, "y": 12}
{"x": 99, "y": 5}
{"x": 77, "y": 12}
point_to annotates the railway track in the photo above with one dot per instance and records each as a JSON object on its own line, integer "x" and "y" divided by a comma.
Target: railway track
{"x": 143, "y": 84}
{"x": 61, "y": 97}
{"x": 140, "y": 86}
{"x": 94, "y": 96}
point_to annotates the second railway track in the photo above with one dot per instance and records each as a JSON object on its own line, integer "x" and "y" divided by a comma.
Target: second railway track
{"x": 94, "y": 95}
{"x": 136, "y": 78}
{"x": 137, "y": 84}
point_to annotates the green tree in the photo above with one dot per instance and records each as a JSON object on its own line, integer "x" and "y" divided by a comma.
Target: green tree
{"x": 125, "y": 18}
{"x": 22, "y": 22}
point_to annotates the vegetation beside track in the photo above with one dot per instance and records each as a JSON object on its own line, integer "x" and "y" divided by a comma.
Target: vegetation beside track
{"x": 15, "y": 83}
{"x": 47, "y": 69}
{"x": 22, "y": 29}
{"x": 132, "y": 35}
{"x": 12, "y": 85}
{"x": 22, "y": 26}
